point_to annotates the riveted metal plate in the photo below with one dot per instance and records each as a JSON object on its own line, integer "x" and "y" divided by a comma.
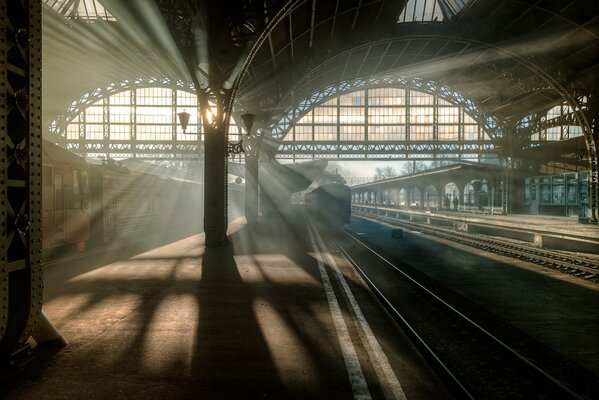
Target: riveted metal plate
{"x": 21, "y": 280}
{"x": 3, "y": 173}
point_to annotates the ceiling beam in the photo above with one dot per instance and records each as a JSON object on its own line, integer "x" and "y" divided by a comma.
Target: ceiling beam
{"x": 290, "y": 22}
{"x": 312, "y": 21}
{"x": 363, "y": 61}
{"x": 381, "y": 58}
{"x": 272, "y": 52}
{"x": 378, "y": 13}
{"x": 335, "y": 19}
{"x": 353, "y": 25}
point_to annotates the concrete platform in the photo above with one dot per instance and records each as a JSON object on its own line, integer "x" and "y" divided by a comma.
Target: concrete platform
{"x": 559, "y": 233}
{"x": 247, "y": 321}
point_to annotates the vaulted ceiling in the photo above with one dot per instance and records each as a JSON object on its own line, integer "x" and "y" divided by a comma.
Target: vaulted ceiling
{"x": 512, "y": 57}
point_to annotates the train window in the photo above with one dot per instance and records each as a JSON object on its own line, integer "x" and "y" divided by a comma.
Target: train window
{"x": 84, "y": 182}
{"x": 572, "y": 196}
{"x": 545, "y": 190}
{"x": 558, "y": 190}
{"x": 76, "y": 181}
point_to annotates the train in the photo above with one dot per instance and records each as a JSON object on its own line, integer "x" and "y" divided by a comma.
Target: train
{"x": 86, "y": 205}
{"x": 327, "y": 202}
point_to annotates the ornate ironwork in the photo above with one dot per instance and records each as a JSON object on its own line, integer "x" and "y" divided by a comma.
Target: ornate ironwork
{"x": 58, "y": 126}
{"x": 235, "y": 148}
{"x": 21, "y": 279}
{"x": 281, "y": 126}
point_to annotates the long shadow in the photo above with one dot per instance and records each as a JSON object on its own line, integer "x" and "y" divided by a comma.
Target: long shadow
{"x": 232, "y": 359}
{"x": 293, "y": 302}
{"x": 225, "y": 352}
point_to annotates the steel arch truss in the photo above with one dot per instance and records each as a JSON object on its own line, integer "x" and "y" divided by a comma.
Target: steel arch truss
{"x": 134, "y": 147}
{"x": 59, "y": 125}
{"x": 281, "y": 127}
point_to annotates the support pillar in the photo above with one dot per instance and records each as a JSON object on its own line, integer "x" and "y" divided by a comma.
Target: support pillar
{"x": 21, "y": 277}
{"x": 252, "y": 189}
{"x": 215, "y": 184}
{"x": 505, "y": 186}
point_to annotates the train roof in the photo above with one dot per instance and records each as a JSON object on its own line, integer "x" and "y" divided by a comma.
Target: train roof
{"x": 55, "y": 153}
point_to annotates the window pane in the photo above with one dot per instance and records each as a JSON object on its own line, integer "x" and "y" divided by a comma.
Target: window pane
{"x": 306, "y": 119}
{"x": 94, "y": 131}
{"x": 421, "y": 132}
{"x": 154, "y": 132}
{"x": 418, "y": 98}
{"x": 154, "y": 96}
{"x": 325, "y": 133}
{"x": 387, "y": 132}
{"x": 387, "y": 115}
{"x": 386, "y": 97}
{"x": 303, "y": 133}
{"x": 468, "y": 119}
{"x": 120, "y": 114}
{"x": 186, "y": 99}
{"x": 325, "y": 115}
{"x": 448, "y": 115}
{"x": 352, "y": 99}
{"x": 154, "y": 115}
{"x": 421, "y": 115}
{"x": 448, "y": 132}
{"x": 351, "y": 115}
{"x": 120, "y": 132}
{"x": 470, "y": 132}
{"x": 351, "y": 132}
{"x": 122, "y": 98}
{"x": 94, "y": 114}
{"x": 73, "y": 131}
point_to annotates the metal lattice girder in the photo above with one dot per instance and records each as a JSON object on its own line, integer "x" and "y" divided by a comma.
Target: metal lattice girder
{"x": 21, "y": 279}
{"x": 407, "y": 148}
{"x": 137, "y": 149}
{"x": 537, "y": 126}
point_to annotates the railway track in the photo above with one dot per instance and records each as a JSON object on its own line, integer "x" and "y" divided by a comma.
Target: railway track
{"x": 570, "y": 263}
{"x": 475, "y": 362}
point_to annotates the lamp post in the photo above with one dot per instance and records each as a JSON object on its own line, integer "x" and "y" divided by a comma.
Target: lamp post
{"x": 252, "y": 154}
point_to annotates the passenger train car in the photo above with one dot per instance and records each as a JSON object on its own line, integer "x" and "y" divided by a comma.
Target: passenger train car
{"x": 90, "y": 205}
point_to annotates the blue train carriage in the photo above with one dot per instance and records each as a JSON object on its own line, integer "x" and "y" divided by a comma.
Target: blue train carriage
{"x": 330, "y": 203}
{"x": 560, "y": 195}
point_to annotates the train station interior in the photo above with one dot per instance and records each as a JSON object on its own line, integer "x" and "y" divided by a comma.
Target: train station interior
{"x": 177, "y": 222}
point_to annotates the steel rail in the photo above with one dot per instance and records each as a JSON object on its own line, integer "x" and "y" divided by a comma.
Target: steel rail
{"x": 531, "y": 254}
{"x": 450, "y": 307}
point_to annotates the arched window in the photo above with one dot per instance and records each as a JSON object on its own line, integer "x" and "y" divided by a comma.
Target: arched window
{"x": 141, "y": 120}
{"x": 386, "y": 114}
{"x": 561, "y": 132}
{"x": 384, "y": 120}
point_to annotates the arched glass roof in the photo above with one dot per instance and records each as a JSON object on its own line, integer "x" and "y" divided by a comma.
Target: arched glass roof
{"x": 87, "y": 10}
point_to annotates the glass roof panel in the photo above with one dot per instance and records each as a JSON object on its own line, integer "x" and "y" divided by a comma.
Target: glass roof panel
{"x": 87, "y": 10}
{"x": 431, "y": 10}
